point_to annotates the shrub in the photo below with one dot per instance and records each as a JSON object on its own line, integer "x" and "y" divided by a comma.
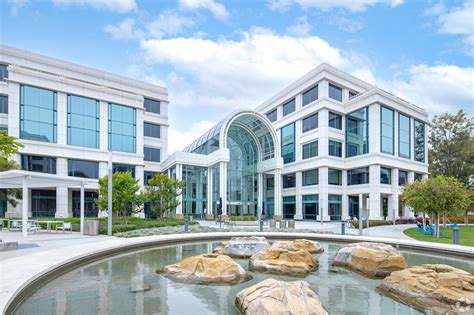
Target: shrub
{"x": 372, "y": 223}
{"x": 243, "y": 218}
{"x": 405, "y": 220}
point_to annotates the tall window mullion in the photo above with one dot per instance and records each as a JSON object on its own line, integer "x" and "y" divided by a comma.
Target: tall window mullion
{"x": 387, "y": 129}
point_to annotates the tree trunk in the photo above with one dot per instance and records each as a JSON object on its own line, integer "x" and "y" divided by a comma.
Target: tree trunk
{"x": 444, "y": 220}
{"x": 437, "y": 225}
{"x": 466, "y": 219}
{"x": 424, "y": 220}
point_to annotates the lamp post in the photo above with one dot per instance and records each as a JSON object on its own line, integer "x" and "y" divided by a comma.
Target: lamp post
{"x": 109, "y": 196}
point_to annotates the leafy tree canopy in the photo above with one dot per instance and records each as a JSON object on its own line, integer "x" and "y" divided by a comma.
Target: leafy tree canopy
{"x": 8, "y": 145}
{"x": 163, "y": 192}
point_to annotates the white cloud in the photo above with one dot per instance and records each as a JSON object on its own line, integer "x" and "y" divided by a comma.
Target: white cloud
{"x": 168, "y": 22}
{"x": 326, "y": 5}
{"x": 120, "y": 6}
{"x": 216, "y": 8}
{"x": 437, "y": 88}
{"x": 301, "y": 28}
{"x": 345, "y": 23}
{"x": 16, "y": 6}
{"x": 124, "y": 31}
{"x": 181, "y": 139}
{"x": 365, "y": 74}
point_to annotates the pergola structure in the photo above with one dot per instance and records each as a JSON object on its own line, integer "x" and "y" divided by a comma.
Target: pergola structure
{"x": 24, "y": 180}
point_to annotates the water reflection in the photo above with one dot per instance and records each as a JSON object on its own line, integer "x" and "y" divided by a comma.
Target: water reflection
{"x": 104, "y": 287}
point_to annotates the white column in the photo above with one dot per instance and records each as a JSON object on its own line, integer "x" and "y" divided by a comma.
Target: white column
{"x": 361, "y": 207}
{"x": 374, "y": 128}
{"x": 375, "y": 212}
{"x": 25, "y": 207}
{"x": 278, "y": 199}
{"x": 209, "y": 191}
{"x": 82, "y": 208}
{"x": 324, "y": 193}
{"x": 323, "y": 129}
{"x": 299, "y": 196}
{"x": 62, "y": 119}
{"x": 179, "y": 176}
{"x": 104, "y": 135}
{"x": 393, "y": 207}
{"x": 62, "y": 202}
{"x": 323, "y": 89}
{"x": 260, "y": 195}
{"x": 223, "y": 186}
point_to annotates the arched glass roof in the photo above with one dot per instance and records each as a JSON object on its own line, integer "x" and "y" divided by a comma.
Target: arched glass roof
{"x": 255, "y": 123}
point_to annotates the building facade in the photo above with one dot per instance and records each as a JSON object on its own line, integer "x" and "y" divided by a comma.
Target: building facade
{"x": 336, "y": 146}
{"x": 68, "y": 117}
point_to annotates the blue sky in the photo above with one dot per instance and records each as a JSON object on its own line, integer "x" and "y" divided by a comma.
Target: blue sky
{"x": 215, "y": 56}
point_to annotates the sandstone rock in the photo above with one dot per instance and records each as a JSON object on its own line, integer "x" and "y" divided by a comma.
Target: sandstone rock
{"x": 371, "y": 259}
{"x": 432, "y": 288}
{"x": 283, "y": 262}
{"x": 277, "y": 297}
{"x": 311, "y": 246}
{"x": 206, "y": 269}
{"x": 242, "y": 247}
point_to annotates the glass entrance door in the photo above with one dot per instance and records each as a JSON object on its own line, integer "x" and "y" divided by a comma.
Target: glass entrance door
{"x": 354, "y": 206}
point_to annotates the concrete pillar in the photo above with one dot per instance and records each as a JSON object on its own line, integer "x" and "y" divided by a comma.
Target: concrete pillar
{"x": 260, "y": 194}
{"x": 360, "y": 218}
{"x": 278, "y": 213}
{"x": 139, "y": 127}
{"x": 179, "y": 176}
{"x": 25, "y": 200}
{"x": 395, "y": 133}
{"x": 374, "y": 193}
{"x": 374, "y": 128}
{"x": 393, "y": 204}
{"x": 298, "y": 196}
{"x": 209, "y": 215}
{"x": 323, "y": 129}
{"x": 323, "y": 89}
{"x": 223, "y": 186}
{"x": 62, "y": 202}
{"x": 61, "y": 118}
{"x": 324, "y": 193}
{"x": 103, "y": 121}
{"x": 82, "y": 208}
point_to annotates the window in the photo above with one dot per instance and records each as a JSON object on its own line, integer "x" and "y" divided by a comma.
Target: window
{"x": 40, "y": 164}
{"x": 358, "y": 176}
{"x": 152, "y": 154}
{"x": 86, "y": 169}
{"x": 310, "y": 123}
{"x": 418, "y": 176}
{"x": 310, "y": 95}
{"x": 403, "y": 136}
{"x": 90, "y": 207}
{"x": 335, "y": 92}
{"x": 289, "y": 207}
{"x": 83, "y": 121}
{"x": 402, "y": 177}
{"x": 357, "y": 132}
{"x": 3, "y": 104}
{"x": 152, "y": 106}
{"x": 3, "y": 72}
{"x": 38, "y": 114}
{"x": 334, "y": 177}
{"x": 419, "y": 141}
{"x": 310, "y": 177}
{"x": 335, "y": 207}
{"x": 289, "y": 180}
{"x": 385, "y": 175}
{"x": 335, "y": 120}
{"x": 122, "y": 128}
{"x": 4, "y": 128}
{"x": 123, "y": 168}
{"x": 288, "y": 143}
{"x": 43, "y": 203}
{"x": 289, "y": 107}
{"x": 310, "y": 207}
{"x": 151, "y": 130}
{"x": 273, "y": 115}
{"x": 352, "y": 94}
{"x": 335, "y": 148}
{"x": 149, "y": 175}
{"x": 386, "y": 130}
{"x": 310, "y": 150}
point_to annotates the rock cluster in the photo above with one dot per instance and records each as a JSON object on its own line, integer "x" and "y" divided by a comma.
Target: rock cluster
{"x": 242, "y": 247}
{"x": 372, "y": 259}
{"x": 432, "y": 288}
{"x": 311, "y": 246}
{"x": 283, "y": 262}
{"x": 277, "y": 297}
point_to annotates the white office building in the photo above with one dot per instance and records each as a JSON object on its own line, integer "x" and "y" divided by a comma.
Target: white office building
{"x": 68, "y": 117}
{"x": 328, "y": 144}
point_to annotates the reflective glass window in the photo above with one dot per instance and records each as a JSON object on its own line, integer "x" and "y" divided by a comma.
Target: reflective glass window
{"x": 419, "y": 141}
{"x": 147, "y": 175}
{"x": 334, "y": 177}
{"x": 403, "y": 136}
{"x": 288, "y": 143}
{"x": 152, "y": 106}
{"x": 3, "y": 72}
{"x": 289, "y": 207}
{"x": 80, "y": 168}
{"x": 123, "y": 168}
{"x": 42, "y": 164}
{"x": 418, "y": 176}
{"x": 335, "y": 148}
{"x": 289, "y": 180}
{"x": 83, "y": 121}
{"x": 358, "y": 176}
{"x": 335, "y": 92}
{"x": 386, "y": 130}
{"x": 310, "y": 122}
{"x": 357, "y": 132}
{"x": 151, "y": 130}
{"x": 38, "y": 114}
{"x": 310, "y": 207}
{"x": 3, "y": 104}
{"x": 335, "y": 207}
{"x": 289, "y": 107}
{"x": 310, "y": 95}
{"x": 122, "y": 128}
{"x": 402, "y": 177}
{"x": 385, "y": 175}
{"x": 152, "y": 154}
{"x": 335, "y": 120}
{"x": 310, "y": 177}
{"x": 273, "y": 115}
{"x": 310, "y": 150}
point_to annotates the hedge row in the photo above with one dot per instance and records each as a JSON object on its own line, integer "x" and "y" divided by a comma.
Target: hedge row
{"x": 372, "y": 223}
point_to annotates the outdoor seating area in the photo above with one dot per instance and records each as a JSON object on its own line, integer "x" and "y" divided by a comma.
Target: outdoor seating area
{"x": 43, "y": 226}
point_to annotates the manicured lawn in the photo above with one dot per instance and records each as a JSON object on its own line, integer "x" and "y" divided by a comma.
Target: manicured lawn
{"x": 466, "y": 235}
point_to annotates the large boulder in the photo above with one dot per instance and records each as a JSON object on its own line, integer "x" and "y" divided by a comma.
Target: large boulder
{"x": 375, "y": 260}
{"x": 311, "y": 246}
{"x": 277, "y": 297}
{"x": 438, "y": 289}
{"x": 284, "y": 262}
{"x": 206, "y": 269}
{"x": 242, "y": 247}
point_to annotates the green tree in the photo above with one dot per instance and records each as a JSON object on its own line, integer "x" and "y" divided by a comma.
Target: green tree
{"x": 440, "y": 195}
{"x": 8, "y": 146}
{"x": 125, "y": 196}
{"x": 452, "y": 146}
{"x": 163, "y": 192}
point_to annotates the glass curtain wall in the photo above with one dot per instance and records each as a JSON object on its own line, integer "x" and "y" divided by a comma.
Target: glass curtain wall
{"x": 387, "y": 128}
{"x": 419, "y": 141}
{"x": 83, "y": 121}
{"x": 122, "y": 128}
{"x": 194, "y": 191}
{"x": 357, "y": 132}
{"x": 404, "y": 136}
{"x": 242, "y": 176}
{"x": 288, "y": 143}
